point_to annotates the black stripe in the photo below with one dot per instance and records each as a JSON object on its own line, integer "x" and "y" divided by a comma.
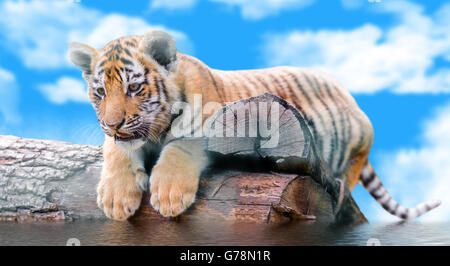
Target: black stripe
{"x": 348, "y": 137}
{"x": 394, "y": 210}
{"x": 260, "y": 80}
{"x": 127, "y": 52}
{"x": 118, "y": 48}
{"x": 126, "y": 61}
{"x": 215, "y": 85}
{"x": 318, "y": 138}
{"x": 405, "y": 214}
{"x": 386, "y": 206}
{"x": 220, "y": 91}
{"x": 297, "y": 103}
{"x": 164, "y": 89}
{"x": 334, "y": 143}
{"x": 372, "y": 192}
{"x": 130, "y": 44}
{"x": 387, "y": 200}
{"x": 278, "y": 86}
{"x": 287, "y": 85}
{"x": 118, "y": 73}
{"x": 161, "y": 86}
{"x": 344, "y": 138}
{"x": 183, "y": 94}
{"x": 108, "y": 52}
{"x": 369, "y": 179}
{"x": 158, "y": 89}
{"x": 359, "y": 126}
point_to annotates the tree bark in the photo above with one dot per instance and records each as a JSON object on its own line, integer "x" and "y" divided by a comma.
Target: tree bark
{"x": 269, "y": 173}
{"x": 43, "y": 179}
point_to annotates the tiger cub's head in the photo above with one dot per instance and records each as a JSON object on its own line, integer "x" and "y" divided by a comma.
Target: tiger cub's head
{"x": 129, "y": 85}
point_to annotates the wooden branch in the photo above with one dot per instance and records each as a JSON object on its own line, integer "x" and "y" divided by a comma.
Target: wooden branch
{"x": 252, "y": 177}
{"x": 42, "y": 179}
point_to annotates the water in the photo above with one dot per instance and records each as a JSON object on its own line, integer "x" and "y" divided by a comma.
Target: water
{"x": 148, "y": 232}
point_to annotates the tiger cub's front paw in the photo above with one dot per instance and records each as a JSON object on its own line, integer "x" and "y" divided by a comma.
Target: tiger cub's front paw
{"x": 172, "y": 191}
{"x": 118, "y": 197}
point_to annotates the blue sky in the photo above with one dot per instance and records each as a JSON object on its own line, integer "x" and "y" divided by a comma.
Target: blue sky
{"x": 394, "y": 56}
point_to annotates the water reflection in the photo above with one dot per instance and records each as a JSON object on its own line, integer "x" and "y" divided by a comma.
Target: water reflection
{"x": 201, "y": 232}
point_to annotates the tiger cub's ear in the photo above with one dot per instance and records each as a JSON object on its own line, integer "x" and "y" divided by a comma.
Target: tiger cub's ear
{"x": 161, "y": 47}
{"x": 81, "y": 55}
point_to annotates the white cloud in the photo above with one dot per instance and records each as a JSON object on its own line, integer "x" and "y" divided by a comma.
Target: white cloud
{"x": 250, "y": 9}
{"x": 173, "y": 4}
{"x": 40, "y": 31}
{"x": 9, "y": 97}
{"x": 115, "y": 25}
{"x": 64, "y": 90}
{"x": 416, "y": 175}
{"x": 368, "y": 59}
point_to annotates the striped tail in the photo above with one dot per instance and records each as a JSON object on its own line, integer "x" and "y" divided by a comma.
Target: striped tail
{"x": 373, "y": 185}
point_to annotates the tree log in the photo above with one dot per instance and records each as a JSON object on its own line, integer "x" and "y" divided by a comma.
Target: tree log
{"x": 265, "y": 173}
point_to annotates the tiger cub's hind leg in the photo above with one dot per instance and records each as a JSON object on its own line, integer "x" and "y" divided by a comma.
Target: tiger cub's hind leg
{"x": 353, "y": 172}
{"x": 349, "y": 179}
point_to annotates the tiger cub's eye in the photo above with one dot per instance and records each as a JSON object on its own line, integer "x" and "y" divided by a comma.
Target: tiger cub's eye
{"x": 134, "y": 87}
{"x": 101, "y": 91}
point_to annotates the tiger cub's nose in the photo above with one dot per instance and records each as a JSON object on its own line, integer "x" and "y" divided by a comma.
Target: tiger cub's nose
{"x": 115, "y": 125}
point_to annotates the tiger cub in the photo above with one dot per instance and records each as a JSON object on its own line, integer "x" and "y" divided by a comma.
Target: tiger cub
{"x": 133, "y": 83}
